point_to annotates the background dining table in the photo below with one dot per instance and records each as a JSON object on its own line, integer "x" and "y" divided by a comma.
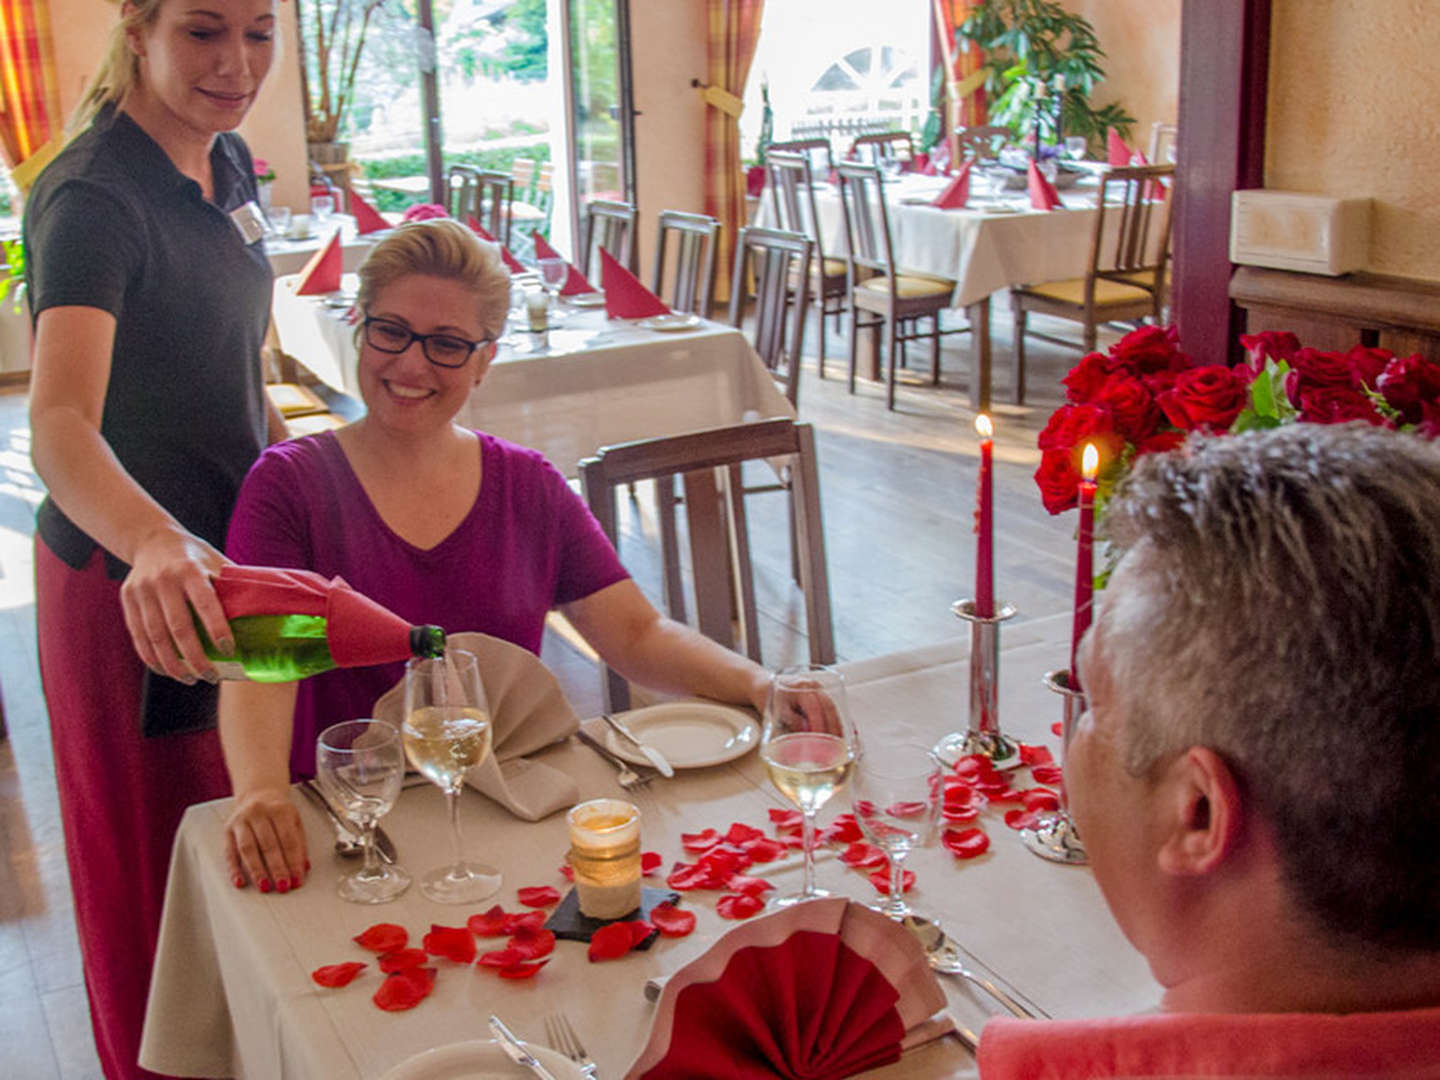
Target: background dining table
{"x": 232, "y": 992}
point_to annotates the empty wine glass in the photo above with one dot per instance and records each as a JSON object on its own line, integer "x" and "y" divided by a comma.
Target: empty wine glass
{"x": 1075, "y": 147}
{"x": 359, "y": 766}
{"x": 896, "y": 797}
{"x": 808, "y": 745}
{"x": 279, "y": 218}
{"x": 321, "y": 207}
{"x": 552, "y": 274}
{"x": 447, "y": 732}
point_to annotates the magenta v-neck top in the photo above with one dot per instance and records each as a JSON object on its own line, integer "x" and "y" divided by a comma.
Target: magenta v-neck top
{"x": 528, "y": 544}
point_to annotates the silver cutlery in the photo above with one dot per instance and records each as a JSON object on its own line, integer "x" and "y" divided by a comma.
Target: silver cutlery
{"x": 655, "y": 757}
{"x": 949, "y": 957}
{"x": 561, "y": 1034}
{"x": 516, "y": 1050}
{"x": 346, "y": 842}
{"x": 627, "y": 777}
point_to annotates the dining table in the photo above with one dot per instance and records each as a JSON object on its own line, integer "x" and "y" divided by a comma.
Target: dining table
{"x": 288, "y": 253}
{"x": 232, "y": 993}
{"x": 586, "y": 382}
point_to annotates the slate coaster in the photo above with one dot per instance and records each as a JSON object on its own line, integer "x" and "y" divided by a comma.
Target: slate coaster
{"x": 567, "y": 922}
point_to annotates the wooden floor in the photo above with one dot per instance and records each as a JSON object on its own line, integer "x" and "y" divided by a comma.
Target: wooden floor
{"x": 898, "y": 499}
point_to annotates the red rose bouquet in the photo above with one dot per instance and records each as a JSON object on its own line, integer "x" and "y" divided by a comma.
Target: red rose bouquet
{"x": 1145, "y": 395}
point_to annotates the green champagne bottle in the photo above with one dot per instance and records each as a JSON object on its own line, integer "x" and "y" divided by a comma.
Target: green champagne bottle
{"x": 284, "y": 648}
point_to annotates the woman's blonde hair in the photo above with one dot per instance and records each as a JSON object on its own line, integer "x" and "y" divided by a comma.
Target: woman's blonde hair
{"x": 119, "y": 71}
{"x": 440, "y": 247}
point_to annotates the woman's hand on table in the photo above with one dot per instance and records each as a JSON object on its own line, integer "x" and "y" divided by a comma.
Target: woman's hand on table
{"x": 169, "y": 576}
{"x": 265, "y": 842}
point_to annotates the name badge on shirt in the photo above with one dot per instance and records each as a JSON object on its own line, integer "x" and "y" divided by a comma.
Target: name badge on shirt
{"x": 249, "y": 220}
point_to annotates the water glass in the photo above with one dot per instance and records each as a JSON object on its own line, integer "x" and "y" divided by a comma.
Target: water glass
{"x": 896, "y": 793}
{"x": 321, "y": 207}
{"x": 359, "y": 766}
{"x": 279, "y": 218}
{"x": 1075, "y": 147}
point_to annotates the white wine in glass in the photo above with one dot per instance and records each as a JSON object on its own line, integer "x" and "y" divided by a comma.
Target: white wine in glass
{"x": 447, "y": 733}
{"x": 809, "y": 747}
{"x": 359, "y": 767}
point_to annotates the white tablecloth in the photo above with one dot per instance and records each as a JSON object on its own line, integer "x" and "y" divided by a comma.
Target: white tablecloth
{"x": 232, "y": 992}
{"x": 290, "y": 256}
{"x": 598, "y": 382}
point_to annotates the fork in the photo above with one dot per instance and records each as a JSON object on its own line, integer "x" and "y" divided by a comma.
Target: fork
{"x": 562, "y": 1037}
{"x": 626, "y": 777}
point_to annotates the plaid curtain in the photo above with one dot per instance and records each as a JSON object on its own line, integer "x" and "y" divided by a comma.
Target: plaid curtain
{"x": 734, "y": 30}
{"x": 965, "y": 103}
{"x": 29, "y": 104}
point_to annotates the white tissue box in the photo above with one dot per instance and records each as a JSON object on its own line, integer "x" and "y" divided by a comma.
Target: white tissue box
{"x": 1287, "y": 230}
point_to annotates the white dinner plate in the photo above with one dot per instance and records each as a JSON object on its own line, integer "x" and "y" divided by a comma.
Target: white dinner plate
{"x": 670, "y": 322}
{"x": 691, "y": 734}
{"x": 479, "y": 1059}
{"x": 587, "y": 299}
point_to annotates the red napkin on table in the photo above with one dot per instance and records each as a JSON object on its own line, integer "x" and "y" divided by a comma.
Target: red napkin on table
{"x": 957, "y": 192}
{"x": 1115, "y": 149}
{"x": 575, "y": 282}
{"x": 358, "y": 630}
{"x": 819, "y": 990}
{"x": 1043, "y": 195}
{"x": 1156, "y": 188}
{"x": 322, "y": 273}
{"x": 367, "y": 218}
{"x": 514, "y": 265}
{"x": 625, "y": 297}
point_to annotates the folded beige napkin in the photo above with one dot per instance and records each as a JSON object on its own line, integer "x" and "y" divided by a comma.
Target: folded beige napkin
{"x": 527, "y": 712}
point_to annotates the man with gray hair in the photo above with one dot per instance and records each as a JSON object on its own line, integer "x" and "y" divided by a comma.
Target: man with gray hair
{"x": 1257, "y": 778}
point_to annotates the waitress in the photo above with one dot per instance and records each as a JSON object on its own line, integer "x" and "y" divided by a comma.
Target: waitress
{"x": 150, "y": 293}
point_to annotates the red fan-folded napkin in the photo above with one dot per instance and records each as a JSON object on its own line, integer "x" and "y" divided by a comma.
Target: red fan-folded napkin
{"x": 1155, "y": 189}
{"x": 367, "y": 218}
{"x": 575, "y": 282}
{"x": 1043, "y": 195}
{"x": 819, "y": 990}
{"x": 957, "y": 192}
{"x": 1116, "y": 152}
{"x": 322, "y": 273}
{"x": 358, "y": 630}
{"x": 514, "y": 265}
{"x": 625, "y": 297}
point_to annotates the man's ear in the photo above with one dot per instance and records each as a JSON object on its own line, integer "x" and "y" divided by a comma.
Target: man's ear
{"x": 1204, "y": 813}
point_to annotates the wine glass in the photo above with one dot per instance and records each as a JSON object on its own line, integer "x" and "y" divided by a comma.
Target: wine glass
{"x": 321, "y": 207}
{"x": 359, "y": 766}
{"x": 896, "y": 793}
{"x": 809, "y": 746}
{"x": 552, "y": 274}
{"x": 447, "y": 732}
{"x": 1075, "y": 147}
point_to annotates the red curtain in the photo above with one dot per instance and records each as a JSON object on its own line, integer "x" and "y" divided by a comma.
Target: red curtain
{"x": 960, "y": 66}
{"x": 734, "y": 31}
{"x": 29, "y": 109}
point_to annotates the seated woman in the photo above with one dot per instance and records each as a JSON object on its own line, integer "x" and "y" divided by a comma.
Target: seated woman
{"x": 439, "y": 523}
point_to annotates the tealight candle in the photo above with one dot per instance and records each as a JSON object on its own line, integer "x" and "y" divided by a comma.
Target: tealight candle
{"x": 537, "y": 310}
{"x": 605, "y": 855}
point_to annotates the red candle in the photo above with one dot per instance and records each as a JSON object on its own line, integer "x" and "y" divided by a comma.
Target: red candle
{"x": 1085, "y": 557}
{"x": 985, "y": 523}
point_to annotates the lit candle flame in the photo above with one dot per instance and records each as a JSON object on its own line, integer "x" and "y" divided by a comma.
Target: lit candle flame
{"x": 983, "y": 426}
{"x": 1090, "y": 462}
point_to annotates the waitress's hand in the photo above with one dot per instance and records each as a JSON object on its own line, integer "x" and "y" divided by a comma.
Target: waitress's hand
{"x": 169, "y": 575}
{"x": 265, "y": 842}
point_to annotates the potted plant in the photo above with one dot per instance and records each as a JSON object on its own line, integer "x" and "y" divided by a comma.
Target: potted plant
{"x": 332, "y": 39}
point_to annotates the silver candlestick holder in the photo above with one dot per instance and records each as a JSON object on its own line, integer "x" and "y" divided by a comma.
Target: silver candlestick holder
{"x": 1055, "y": 837}
{"x": 983, "y": 736}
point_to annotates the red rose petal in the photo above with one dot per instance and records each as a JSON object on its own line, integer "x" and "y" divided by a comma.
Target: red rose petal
{"x": 568, "y": 873}
{"x": 907, "y": 809}
{"x": 1040, "y": 799}
{"x": 1047, "y": 774}
{"x": 519, "y": 924}
{"x": 401, "y": 959}
{"x": 881, "y": 880}
{"x": 786, "y": 821}
{"x": 1035, "y": 755}
{"x": 963, "y": 795}
{"x": 738, "y": 905}
{"x": 1006, "y": 794}
{"x": 699, "y": 843}
{"x": 960, "y": 813}
{"x": 686, "y": 876}
{"x": 383, "y": 937}
{"x": 405, "y": 989}
{"x": 966, "y": 843}
{"x": 843, "y": 830}
{"x": 650, "y": 861}
{"x": 1058, "y": 728}
{"x": 640, "y": 929}
{"x": 738, "y": 833}
{"x": 493, "y": 923}
{"x": 672, "y": 921}
{"x": 532, "y": 944}
{"x": 611, "y": 941}
{"x": 751, "y": 886}
{"x": 863, "y": 856}
{"x": 763, "y": 849}
{"x": 538, "y": 896}
{"x": 502, "y": 958}
{"x": 521, "y": 971}
{"x": 333, "y": 975}
{"x": 452, "y": 942}
{"x": 974, "y": 768}
{"x": 1022, "y": 819}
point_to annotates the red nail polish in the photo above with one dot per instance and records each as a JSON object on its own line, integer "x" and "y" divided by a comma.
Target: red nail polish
{"x": 295, "y": 882}
{"x": 307, "y": 866}
{"x": 265, "y": 884}
{"x": 239, "y": 881}
{"x": 282, "y": 886}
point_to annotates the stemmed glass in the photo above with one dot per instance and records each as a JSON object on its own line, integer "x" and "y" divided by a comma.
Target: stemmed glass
{"x": 321, "y": 207}
{"x": 359, "y": 766}
{"x": 552, "y": 274}
{"x": 447, "y": 732}
{"x": 809, "y": 746}
{"x": 1075, "y": 147}
{"x": 896, "y": 794}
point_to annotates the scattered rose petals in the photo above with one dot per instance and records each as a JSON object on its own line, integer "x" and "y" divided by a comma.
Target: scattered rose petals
{"x": 538, "y": 896}
{"x": 751, "y": 886}
{"x": 738, "y": 833}
{"x": 531, "y": 920}
{"x": 383, "y": 937}
{"x": 738, "y": 905}
{"x": 786, "y": 821}
{"x": 401, "y": 959}
{"x": 864, "y": 856}
{"x": 864, "y": 808}
{"x": 1035, "y": 755}
{"x": 671, "y": 920}
{"x": 699, "y": 843}
{"x": 521, "y": 971}
{"x": 502, "y": 958}
{"x": 532, "y": 944}
{"x": 843, "y": 830}
{"x": 1022, "y": 819}
{"x": 650, "y": 861}
{"x": 333, "y": 975}
{"x": 567, "y": 872}
{"x": 1006, "y": 794}
{"x": 966, "y": 843}
{"x": 763, "y": 849}
{"x": 907, "y": 809}
{"x": 1040, "y": 799}
{"x": 686, "y": 876}
{"x": 492, "y": 923}
{"x": 959, "y": 813}
{"x": 405, "y": 989}
{"x": 612, "y": 941}
{"x": 452, "y": 942}
{"x": 1057, "y": 728}
{"x": 1047, "y": 774}
{"x": 881, "y": 880}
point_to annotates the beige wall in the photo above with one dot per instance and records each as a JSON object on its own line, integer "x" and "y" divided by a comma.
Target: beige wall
{"x": 1141, "y": 40}
{"x": 1354, "y": 112}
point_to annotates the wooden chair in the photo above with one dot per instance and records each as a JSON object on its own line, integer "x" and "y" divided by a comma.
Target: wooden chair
{"x": 1164, "y": 142}
{"x": 609, "y": 225}
{"x": 1126, "y": 279}
{"x": 792, "y": 192}
{"x": 816, "y": 151}
{"x": 879, "y": 146}
{"x": 779, "y": 264}
{"x": 697, "y": 248}
{"x": 983, "y": 141}
{"x": 893, "y": 298}
{"x": 485, "y": 195}
{"x": 721, "y": 571}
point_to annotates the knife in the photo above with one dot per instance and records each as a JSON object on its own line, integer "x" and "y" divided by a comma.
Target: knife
{"x": 651, "y": 754}
{"x": 383, "y": 844}
{"x": 516, "y": 1050}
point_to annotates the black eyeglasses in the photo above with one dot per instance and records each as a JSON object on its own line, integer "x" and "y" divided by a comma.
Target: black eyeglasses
{"x": 442, "y": 350}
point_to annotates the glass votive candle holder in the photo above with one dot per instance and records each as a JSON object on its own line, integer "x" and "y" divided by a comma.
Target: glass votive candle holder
{"x": 537, "y": 310}
{"x": 605, "y": 855}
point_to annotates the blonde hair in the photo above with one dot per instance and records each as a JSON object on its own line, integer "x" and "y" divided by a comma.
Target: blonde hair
{"x": 440, "y": 247}
{"x": 119, "y": 71}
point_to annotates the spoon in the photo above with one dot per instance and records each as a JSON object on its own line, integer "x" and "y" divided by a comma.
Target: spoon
{"x": 347, "y": 844}
{"x": 948, "y": 958}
